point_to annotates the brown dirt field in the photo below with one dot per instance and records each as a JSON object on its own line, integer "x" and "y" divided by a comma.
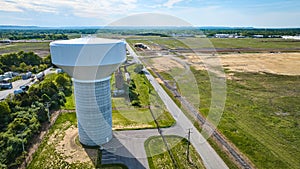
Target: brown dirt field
{"x": 73, "y": 151}
{"x": 277, "y": 63}
{"x": 165, "y": 63}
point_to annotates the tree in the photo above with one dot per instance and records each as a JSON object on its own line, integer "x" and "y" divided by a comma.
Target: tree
{"x": 139, "y": 69}
{"x": 47, "y": 60}
{"x": 61, "y": 81}
{"x": 4, "y": 114}
{"x": 23, "y": 66}
{"x": 46, "y": 98}
{"x": 49, "y": 88}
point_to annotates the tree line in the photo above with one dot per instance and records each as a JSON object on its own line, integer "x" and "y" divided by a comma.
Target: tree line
{"x": 21, "y": 116}
{"x": 66, "y": 33}
{"x": 23, "y": 62}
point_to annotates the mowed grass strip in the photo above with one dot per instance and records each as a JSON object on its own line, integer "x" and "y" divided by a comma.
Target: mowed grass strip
{"x": 158, "y": 156}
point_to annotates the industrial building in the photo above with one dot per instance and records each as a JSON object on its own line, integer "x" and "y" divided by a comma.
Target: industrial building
{"x": 90, "y": 62}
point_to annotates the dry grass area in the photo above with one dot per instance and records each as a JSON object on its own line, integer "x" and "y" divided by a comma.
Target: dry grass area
{"x": 165, "y": 63}
{"x": 276, "y": 63}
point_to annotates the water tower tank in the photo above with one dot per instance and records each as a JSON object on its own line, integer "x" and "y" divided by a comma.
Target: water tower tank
{"x": 90, "y": 62}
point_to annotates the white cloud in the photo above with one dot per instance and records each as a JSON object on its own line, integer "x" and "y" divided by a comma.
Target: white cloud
{"x": 9, "y": 6}
{"x": 82, "y": 8}
{"x": 171, "y": 3}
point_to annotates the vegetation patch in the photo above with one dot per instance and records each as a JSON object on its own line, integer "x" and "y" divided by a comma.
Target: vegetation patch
{"x": 158, "y": 156}
{"x": 22, "y": 115}
{"x": 261, "y": 116}
{"x": 133, "y": 110}
{"x": 40, "y": 48}
{"x": 60, "y": 149}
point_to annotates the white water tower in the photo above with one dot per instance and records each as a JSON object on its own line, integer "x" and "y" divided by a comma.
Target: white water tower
{"x": 90, "y": 62}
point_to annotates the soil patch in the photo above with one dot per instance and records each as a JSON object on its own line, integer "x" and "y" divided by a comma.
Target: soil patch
{"x": 73, "y": 151}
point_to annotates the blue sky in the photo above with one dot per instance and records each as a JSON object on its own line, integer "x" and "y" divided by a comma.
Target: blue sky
{"x": 256, "y": 13}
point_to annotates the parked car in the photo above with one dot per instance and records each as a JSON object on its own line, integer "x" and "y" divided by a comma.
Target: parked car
{"x": 18, "y": 91}
{"x": 40, "y": 76}
{"x": 26, "y": 76}
{"x": 24, "y": 88}
{"x": 6, "y": 86}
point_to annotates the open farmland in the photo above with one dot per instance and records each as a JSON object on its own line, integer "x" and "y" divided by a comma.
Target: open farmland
{"x": 40, "y": 48}
{"x": 276, "y": 63}
{"x": 262, "y": 113}
{"x": 210, "y": 45}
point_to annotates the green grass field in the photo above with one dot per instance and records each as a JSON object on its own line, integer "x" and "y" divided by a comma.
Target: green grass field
{"x": 127, "y": 117}
{"x": 261, "y": 43}
{"x": 268, "y": 43}
{"x": 38, "y": 47}
{"x": 158, "y": 156}
{"x": 261, "y": 116}
{"x": 262, "y": 111}
{"x": 70, "y": 103}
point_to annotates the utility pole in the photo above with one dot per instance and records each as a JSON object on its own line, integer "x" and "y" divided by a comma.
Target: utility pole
{"x": 188, "y": 145}
{"x": 48, "y": 113}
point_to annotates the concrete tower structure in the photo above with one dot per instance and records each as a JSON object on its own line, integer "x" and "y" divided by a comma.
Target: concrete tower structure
{"x": 90, "y": 62}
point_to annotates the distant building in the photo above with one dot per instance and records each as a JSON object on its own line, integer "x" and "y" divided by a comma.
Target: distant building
{"x": 141, "y": 45}
{"x": 239, "y": 37}
{"x": 222, "y": 35}
{"x": 274, "y": 36}
{"x": 183, "y": 35}
{"x": 258, "y": 36}
{"x": 6, "y": 41}
{"x": 291, "y": 37}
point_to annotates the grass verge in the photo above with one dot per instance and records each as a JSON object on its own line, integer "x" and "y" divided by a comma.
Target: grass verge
{"x": 158, "y": 157}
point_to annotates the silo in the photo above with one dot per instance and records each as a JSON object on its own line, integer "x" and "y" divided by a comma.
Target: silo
{"x": 90, "y": 62}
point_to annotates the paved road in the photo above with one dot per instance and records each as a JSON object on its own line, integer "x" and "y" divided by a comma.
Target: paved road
{"x": 127, "y": 147}
{"x": 210, "y": 158}
{"x": 16, "y": 85}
